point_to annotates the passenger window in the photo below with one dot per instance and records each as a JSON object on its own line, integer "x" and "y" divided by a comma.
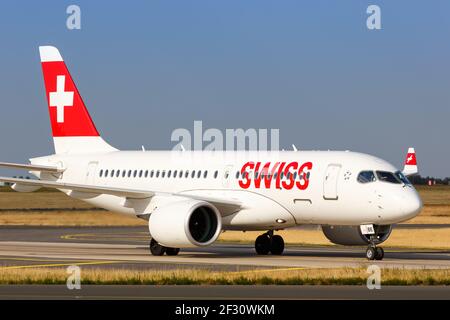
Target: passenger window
{"x": 112, "y": 173}
{"x": 117, "y": 173}
{"x": 129, "y": 173}
{"x": 140, "y": 174}
{"x": 199, "y": 174}
{"x": 135, "y": 173}
{"x": 101, "y": 173}
{"x": 175, "y": 173}
{"x": 169, "y": 174}
{"x": 124, "y": 172}
{"x": 237, "y": 174}
{"x": 205, "y": 174}
{"x": 146, "y": 174}
{"x": 106, "y": 173}
{"x": 387, "y": 177}
{"x": 366, "y": 176}
{"x": 163, "y": 173}
{"x": 180, "y": 175}
{"x": 186, "y": 174}
{"x": 216, "y": 174}
{"x": 193, "y": 174}
{"x": 157, "y": 174}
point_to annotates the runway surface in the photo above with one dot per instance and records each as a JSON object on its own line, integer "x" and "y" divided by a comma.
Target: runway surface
{"x": 202, "y": 293}
{"x": 127, "y": 247}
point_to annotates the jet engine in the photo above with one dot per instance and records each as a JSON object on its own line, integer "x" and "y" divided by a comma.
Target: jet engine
{"x": 352, "y": 236}
{"x": 185, "y": 223}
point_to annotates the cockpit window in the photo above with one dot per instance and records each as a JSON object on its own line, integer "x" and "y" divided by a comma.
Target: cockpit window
{"x": 366, "y": 176}
{"x": 402, "y": 178}
{"x": 387, "y": 177}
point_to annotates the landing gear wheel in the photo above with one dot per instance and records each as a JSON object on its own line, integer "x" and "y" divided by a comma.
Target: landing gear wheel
{"x": 156, "y": 249}
{"x": 172, "y": 251}
{"x": 371, "y": 253}
{"x": 379, "y": 253}
{"x": 262, "y": 244}
{"x": 277, "y": 245}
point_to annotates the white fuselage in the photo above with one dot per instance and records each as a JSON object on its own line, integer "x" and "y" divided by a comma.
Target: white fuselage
{"x": 333, "y": 194}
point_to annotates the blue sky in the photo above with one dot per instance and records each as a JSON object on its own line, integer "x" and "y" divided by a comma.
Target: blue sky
{"x": 310, "y": 68}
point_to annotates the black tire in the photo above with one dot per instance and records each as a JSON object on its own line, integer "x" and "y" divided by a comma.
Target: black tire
{"x": 379, "y": 254}
{"x": 371, "y": 253}
{"x": 262, "y": 244}
{"x": 277, "y": 245}
{"x": 172, "y": 251}
{"x": 156, "y": 249}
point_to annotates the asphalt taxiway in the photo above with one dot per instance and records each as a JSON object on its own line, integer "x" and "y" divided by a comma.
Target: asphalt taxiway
{"x": 24, "y": 247}
{"x": 208, "y": 292}
{"x": 127, "y": 247}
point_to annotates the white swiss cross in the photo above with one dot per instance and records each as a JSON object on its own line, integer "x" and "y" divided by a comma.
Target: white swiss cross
{"x": 61, "y": 98}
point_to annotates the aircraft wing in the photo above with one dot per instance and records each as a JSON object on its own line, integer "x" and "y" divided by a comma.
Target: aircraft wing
{"x": 136, "y": 194}
{"x": 224, "y": 206}
{"x": 31, "y": 167}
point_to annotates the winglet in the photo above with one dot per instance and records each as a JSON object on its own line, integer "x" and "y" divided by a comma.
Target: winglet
{"x": 410, "y": 167}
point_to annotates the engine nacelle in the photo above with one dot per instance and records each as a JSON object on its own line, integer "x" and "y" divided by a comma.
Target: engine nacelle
{"x": 185, "y": 223}
{"x": 24, "y": 188}
{"x": 352, "y": 236}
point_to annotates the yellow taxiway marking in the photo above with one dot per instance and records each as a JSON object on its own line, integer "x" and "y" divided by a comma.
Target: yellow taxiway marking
{"x": 269, "y": 270}
{"x": 142, "y": 236}
{"x": 75, "y": 263}
{"x": 33, "y": 259}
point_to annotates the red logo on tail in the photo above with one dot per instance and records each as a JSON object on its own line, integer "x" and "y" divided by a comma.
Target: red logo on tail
{"x": 411, "y": 159}
{"x": 68, "y": 114}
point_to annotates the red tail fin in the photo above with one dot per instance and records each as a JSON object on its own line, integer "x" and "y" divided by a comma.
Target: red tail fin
{"x": 72, "y": 127}
{"x": 68, "y": 114}
{"x": 410, "y": 163}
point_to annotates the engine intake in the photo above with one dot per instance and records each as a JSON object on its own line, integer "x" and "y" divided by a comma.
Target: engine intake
{"x": 352, "y": 236}
{"x": 185, "y": 223}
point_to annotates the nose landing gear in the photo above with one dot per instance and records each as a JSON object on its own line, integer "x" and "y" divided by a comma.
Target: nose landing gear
{"x": 268, "y": 242}
{"x": 373, "y": 252}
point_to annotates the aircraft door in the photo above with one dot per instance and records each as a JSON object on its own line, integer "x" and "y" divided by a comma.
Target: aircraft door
{"x": 330, "y": 183}
{"x": 91, "y": 171}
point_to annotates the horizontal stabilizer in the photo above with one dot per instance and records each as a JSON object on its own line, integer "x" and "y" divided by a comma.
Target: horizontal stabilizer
{"x": 31, "y": 167}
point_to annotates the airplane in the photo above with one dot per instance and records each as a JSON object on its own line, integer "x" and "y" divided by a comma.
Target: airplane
{"x": 190, "y": 197}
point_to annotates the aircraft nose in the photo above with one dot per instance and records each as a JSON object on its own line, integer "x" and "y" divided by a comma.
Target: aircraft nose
{"x": 412, "y": 204}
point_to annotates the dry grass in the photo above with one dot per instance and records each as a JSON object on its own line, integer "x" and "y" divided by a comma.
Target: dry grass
{"x": 69, "y": 219}
{"x": 435, "y": 195}
{"x": 296, "y": 276}
{"x": 48, "y": 199}
{"x": 54, "y": 208}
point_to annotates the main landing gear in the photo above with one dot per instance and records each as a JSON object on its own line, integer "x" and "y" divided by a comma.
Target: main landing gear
{"x": 158, "y": 250}
{"x": 268, "y": 242}
{"x": 373, "y": 252}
